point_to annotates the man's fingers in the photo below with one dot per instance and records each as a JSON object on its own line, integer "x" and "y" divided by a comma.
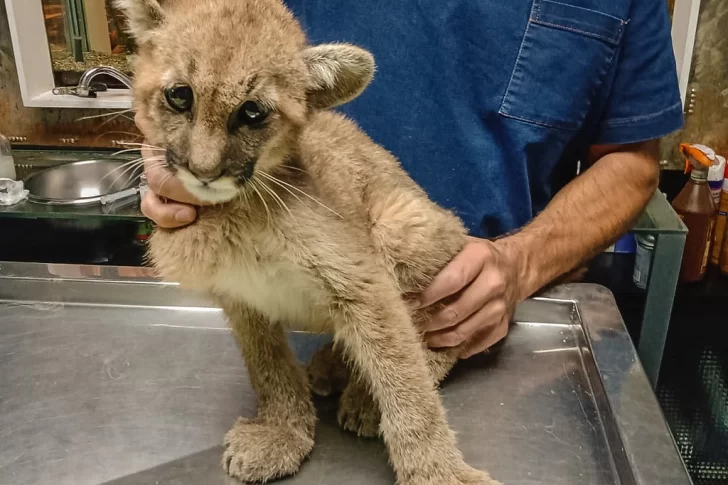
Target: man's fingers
{"x": 161, "y": 180}
{"x": 164, "y": 183}
{"x": 463, "y": 269}
{"x": 483, "y": 320}
{"x": 167, "y": 215}
{"x": 486, "y": 339}
{"x": 490, "y": 285}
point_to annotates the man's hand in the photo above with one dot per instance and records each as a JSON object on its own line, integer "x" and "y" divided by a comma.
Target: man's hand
{"x": 483, "y": 279}
{"x": 167, "y": 202}
{"x": 489, "y": 278}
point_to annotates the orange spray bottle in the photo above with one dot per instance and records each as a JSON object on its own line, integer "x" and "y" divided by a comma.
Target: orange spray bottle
{"x": 695, "y": 206}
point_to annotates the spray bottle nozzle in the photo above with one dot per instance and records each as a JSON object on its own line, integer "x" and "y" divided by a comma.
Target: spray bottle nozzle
{"x": 697, "y": 156}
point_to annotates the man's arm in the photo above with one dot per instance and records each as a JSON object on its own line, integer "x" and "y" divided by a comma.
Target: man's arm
{"x": 586, "y": 216}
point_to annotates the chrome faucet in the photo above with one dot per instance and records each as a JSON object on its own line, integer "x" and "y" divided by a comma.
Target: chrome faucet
{"x": 87, "y": 89}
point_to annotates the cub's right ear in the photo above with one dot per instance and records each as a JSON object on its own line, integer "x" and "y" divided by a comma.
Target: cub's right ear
{"x": 143, "y": 17}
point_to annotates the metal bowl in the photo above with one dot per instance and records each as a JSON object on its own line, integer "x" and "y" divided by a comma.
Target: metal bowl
{"x": 81, "y": 183}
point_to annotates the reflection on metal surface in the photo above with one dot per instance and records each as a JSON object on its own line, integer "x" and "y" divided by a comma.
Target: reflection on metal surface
{"x": 551, "y": 351}
{"x": 112, "y": 379}
{"x": 85, "y": 87}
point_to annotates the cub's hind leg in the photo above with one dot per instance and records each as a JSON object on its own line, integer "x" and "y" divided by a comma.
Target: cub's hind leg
{"x": 359, "y": 413}
{"x": 327, "y": 371}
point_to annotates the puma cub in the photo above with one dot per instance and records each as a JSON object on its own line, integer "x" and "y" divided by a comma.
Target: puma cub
{"x": 314, "y": 227}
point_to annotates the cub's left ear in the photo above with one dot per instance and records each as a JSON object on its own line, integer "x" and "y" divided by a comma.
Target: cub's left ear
{"x": 338, "y": 73}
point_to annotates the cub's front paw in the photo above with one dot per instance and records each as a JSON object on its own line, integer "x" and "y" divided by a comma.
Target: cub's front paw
{"x": 466, "y": 475}
{"x": 259, "y": 452}
{"x": 358, "y": 412}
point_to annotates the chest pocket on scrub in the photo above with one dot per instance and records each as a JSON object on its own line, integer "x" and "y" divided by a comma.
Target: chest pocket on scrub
{"x": 565, "y": 54}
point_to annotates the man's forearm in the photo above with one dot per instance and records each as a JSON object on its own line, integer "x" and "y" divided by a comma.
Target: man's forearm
{"x": 587, "y": 215}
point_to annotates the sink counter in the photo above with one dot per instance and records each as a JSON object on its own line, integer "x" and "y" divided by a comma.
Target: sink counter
{"x": 28, "y": 162}
{"x": 31, "y": 210}
{"x": 110, "y": 376}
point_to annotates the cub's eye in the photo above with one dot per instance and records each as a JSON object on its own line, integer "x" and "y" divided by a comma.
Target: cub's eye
{"x": 249, "y": 114}
{"x": 180, "y": 98}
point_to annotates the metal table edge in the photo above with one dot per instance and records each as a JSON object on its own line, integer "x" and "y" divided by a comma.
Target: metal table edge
{"x": 643, "y": 437}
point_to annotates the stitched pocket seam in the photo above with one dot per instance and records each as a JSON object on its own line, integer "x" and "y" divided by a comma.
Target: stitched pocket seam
{"x": 515, "y": 68}
{"x": 546, "y": 124}
{"x": 594, "y": 35}
{"x": 576, "y": 7}
{"x": 589, "y": 22}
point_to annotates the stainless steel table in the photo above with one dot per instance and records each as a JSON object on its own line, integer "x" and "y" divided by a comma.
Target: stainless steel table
{"x": 120, "y": 380}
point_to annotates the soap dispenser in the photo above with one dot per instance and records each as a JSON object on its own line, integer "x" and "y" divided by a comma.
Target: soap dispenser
{"x": 7, "y": 164}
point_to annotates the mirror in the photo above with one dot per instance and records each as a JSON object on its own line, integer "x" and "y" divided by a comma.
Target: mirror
{"x": 707, "y": 97}
{"x": 83, "y": 34}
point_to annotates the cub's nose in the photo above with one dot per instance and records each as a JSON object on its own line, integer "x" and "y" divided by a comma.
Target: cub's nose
{"x": 205, "y": 176}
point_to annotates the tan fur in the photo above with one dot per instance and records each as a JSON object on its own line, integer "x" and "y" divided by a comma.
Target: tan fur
{"x": 330, "y": 244}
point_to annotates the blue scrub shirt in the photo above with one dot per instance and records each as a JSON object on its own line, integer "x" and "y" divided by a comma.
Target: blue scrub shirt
{"x": 488, "y": 103}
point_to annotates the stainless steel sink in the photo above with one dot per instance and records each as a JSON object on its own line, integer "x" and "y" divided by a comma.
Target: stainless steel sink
{"x": 81, "y": 183}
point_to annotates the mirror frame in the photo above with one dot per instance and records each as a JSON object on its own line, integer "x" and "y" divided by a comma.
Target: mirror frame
{"x": 684, "y": 27}
{"x": 34, "y": 66}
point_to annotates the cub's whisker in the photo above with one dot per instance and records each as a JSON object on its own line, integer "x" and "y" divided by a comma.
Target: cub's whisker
{"x": 262, "y": 199}
{"x": 105, "y": 115}
{"x": 147, "y": 145}
{"x": 277, "y": 198}
{"x": 245, "y": 195}
{"x": 137, "y": 163}
{"x": 135, "y": 146}
{"x": 129, "y": 172}
{"x": 115, "y": 132}
{"x": 123, "y": 166}
{"x": 286, "y": 189}
{"x": 120, "y": 115}
{"x": 290, "y": 167}
{"x": 128, "y": 150}
{"x": 293, "y": 187}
